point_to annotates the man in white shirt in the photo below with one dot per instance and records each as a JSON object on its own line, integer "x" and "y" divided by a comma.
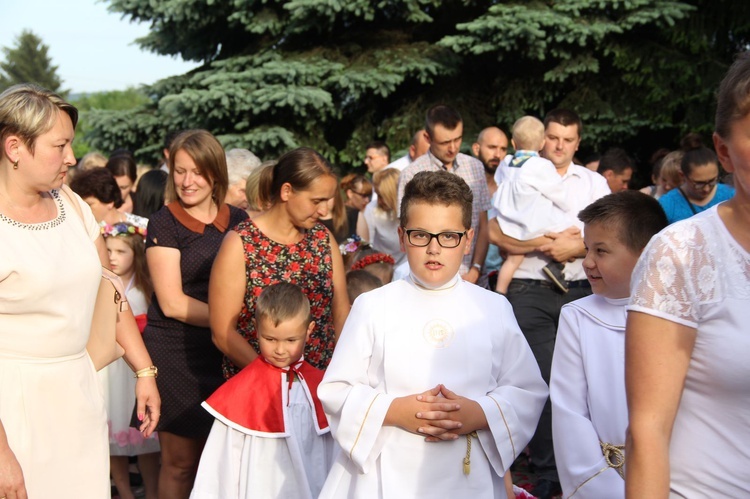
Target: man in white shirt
{"x": 537, "y": 301}
{"x": 377, "y": 156}
{"x": 419, "y": 146}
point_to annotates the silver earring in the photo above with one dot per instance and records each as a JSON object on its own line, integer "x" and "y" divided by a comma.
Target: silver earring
{"x": 15, "y": 165}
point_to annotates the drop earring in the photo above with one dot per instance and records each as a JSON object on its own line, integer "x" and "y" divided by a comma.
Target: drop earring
{"x": 15, "y": 165}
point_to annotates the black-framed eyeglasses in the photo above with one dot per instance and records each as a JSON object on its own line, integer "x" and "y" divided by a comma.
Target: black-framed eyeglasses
{"x": 702, "y": 185}
{"x": 421, "y": 238}
{"x": 366, "y": 196}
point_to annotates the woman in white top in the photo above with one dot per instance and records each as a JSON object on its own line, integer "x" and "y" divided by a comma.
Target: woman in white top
{"x": 378, "y": 223}
{"x": 687, "y": 336}
{"x": 53, "y": 426}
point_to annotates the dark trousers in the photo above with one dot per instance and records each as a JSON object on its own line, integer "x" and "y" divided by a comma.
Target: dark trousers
{"x": 536, "y": 305}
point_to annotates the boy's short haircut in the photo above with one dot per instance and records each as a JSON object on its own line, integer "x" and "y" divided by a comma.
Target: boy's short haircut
{"x": 437, "y": 188}
{"x": 281, "y": 302}
{"x": 564, "y": 117}
{"x": 442, "y": 115}
{"x": 635, "y": 216}
{"x": 528, "y": 133}
{"x": 360, "y": 281}
{"x": 617, "y": 160}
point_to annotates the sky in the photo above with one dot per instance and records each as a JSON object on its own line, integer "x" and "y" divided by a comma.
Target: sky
{"x": 93, "y": 48}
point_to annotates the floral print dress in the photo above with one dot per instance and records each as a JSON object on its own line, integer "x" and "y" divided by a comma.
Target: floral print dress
{"x": 307, "y": 264}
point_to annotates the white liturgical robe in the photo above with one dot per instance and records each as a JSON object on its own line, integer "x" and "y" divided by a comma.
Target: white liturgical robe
{"x": 403, "y": 339}
{"x": 587, "y": 391}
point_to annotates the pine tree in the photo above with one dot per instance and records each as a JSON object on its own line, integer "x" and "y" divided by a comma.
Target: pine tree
{"x": 28, "y": 62}
{"x": 336, "y": 74}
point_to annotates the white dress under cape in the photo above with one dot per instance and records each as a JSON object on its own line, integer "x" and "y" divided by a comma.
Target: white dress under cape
{"x": 237, "y": 464}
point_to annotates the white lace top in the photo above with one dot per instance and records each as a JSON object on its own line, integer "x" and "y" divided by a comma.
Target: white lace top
{"x": 694, "y": 273}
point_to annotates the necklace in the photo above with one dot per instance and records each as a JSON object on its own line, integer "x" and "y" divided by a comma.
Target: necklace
{"x": 44, "y": 210}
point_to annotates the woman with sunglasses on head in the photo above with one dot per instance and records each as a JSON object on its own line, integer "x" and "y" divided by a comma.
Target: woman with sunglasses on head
{"x": 700, "y": 189}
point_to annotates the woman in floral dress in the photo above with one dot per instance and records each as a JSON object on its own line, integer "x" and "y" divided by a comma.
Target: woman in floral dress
{"x": 286, "y": 243}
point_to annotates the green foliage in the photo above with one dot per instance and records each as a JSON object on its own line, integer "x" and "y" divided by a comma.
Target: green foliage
{"x": 336, "y": 74}
{"x": 28, "y": 62}
{"x": 115, "y": 100}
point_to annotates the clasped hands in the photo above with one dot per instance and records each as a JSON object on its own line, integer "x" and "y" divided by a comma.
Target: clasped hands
{"x": 438, "y": 414}
{"x": 565, "y": 246}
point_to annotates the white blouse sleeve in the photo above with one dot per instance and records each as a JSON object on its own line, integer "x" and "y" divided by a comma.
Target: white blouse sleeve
{"x": 675, "y": 274}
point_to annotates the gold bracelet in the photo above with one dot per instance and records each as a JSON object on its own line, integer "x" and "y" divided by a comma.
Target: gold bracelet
{"x": 147, "y": 372}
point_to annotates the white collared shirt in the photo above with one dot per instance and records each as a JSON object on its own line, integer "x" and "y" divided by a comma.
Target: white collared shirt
{"x": 582, "y": 187}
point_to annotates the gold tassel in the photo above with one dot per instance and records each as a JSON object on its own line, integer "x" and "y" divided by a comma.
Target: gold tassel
{"x": 467, "y": 459}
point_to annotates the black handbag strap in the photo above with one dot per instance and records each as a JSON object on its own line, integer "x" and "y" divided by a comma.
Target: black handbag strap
{"x": 690, "y": 205}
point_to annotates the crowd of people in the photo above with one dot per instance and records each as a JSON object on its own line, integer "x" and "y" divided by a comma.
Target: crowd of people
{"x": 410, "y": 331}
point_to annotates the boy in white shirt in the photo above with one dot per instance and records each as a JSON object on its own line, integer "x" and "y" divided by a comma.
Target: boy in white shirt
{"x": 530, "y": 198}
{"x": 409, "y": 348}
{"x": 587, "y": 383}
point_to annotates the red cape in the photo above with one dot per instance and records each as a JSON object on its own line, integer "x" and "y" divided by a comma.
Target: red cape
{"x": 254, "y": 401}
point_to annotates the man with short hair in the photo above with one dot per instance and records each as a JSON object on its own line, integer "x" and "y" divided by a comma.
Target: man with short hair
{"x": 537, "y": 301}
{"x": 617, "y": 167}
{"x": 490, "y": 148}
{"x": 444, "y": 132}
{"x": 377, "y": 156}
{"x": 418, "y": 147}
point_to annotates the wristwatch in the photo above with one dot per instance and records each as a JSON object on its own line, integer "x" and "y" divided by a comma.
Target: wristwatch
{"x": 477, "y": 266}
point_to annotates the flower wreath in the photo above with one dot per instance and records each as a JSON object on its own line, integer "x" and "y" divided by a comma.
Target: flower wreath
{"x": 374, "y": 258}
{"x": 123, "y": 229}
{"x": 351, "y": 245}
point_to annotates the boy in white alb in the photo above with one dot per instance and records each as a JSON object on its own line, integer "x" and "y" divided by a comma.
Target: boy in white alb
{"x": 587, "y": 383}
{"x": 530, "y": 198}
{"x": 432, "y": 390}
{"x": 270, "y": 437}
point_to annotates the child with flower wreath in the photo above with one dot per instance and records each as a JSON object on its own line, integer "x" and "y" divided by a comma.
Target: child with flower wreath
{"x": 359, "y": 255}
{"x": 127, "y": 258}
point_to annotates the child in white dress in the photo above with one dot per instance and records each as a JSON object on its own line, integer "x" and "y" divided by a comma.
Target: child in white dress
{"x": 127, "y": 259}
{"x": 432, "y": 390}
{"x": 587, "y": 382}
{"x": 270, "y": 437}
{"x": 530, "y": 199}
